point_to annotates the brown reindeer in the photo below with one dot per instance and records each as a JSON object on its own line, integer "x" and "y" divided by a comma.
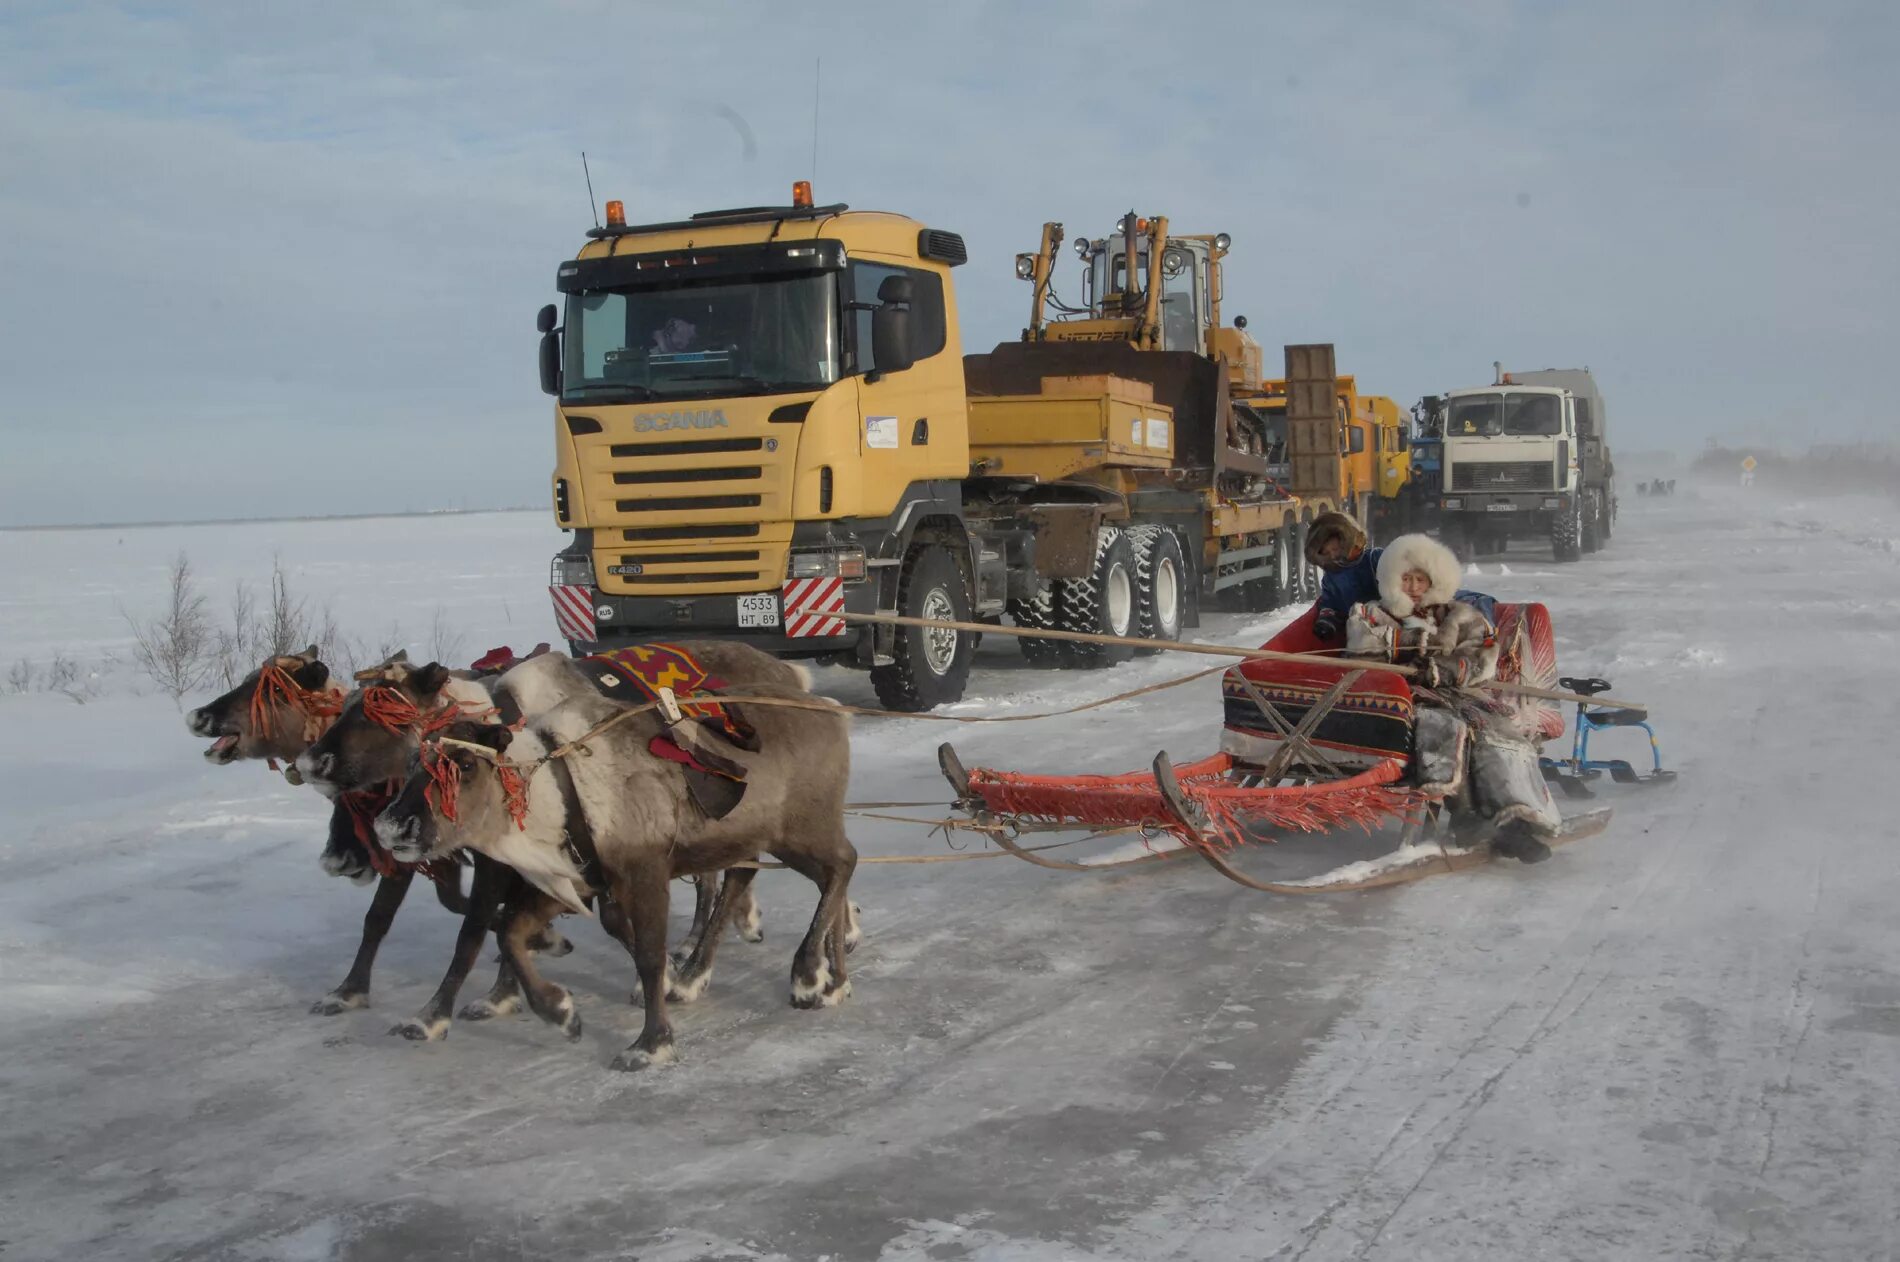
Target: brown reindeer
{"x": 274, "y": 714}
{"x": 619, "y": 822}
{"x": 370, "y": 744}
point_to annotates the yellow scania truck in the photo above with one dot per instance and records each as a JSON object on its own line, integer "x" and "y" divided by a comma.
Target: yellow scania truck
{"x": 764, "y": 417}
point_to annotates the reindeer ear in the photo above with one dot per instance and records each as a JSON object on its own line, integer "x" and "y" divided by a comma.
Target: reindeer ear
{"x": 311, "y": 654}
{"x": 492, "y": 735}
{"x": 312, "y": 675}
{"x": 428, "y": 680}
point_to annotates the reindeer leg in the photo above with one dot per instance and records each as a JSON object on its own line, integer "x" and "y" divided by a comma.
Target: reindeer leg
{"x": 353, "y": 990}
{"x": 641, "y": 893}
{"x": 478, "y": 913}
{"x": 703, "y": 902}
{"x": 816, "y": 982}
{"x": 745, "y": 907}
{"x": 696, "y": 973}
{"x": 504, "y": 997}
{"x": 527, "y": 916}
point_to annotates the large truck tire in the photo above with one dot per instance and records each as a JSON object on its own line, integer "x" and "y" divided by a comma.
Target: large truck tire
{"x": 1305, "y": 576}
{"x": 1160, "y": 584}
{"x": 1101, "y": 604}
{"x": 1591, "y": 537}
{"x": 932, "y": 665}
{"x": 1566, "y": 533}
{"x": 1609, "y": 514}
{"x": 1038, "y": 615}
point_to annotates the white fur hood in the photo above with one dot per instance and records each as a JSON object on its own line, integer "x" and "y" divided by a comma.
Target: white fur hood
{"x": 1417, "y": 552}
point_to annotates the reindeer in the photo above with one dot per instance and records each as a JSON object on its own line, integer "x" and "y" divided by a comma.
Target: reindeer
{"x": 620, "y": 823}
{"x": 368, "y": 747}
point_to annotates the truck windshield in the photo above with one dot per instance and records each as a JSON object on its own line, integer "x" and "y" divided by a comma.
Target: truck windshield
{"x": 1517, "y": 415}
{"x": 769, "y": 335}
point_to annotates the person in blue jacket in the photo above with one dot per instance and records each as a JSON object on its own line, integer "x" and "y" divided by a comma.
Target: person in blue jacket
{"x": 1336, "y": 544}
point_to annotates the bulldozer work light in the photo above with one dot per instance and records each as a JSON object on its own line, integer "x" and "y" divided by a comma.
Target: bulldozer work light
{"x": 1222, "y": 241}
{"x": 801, "y": 193}
{"x": 1025, "y": 266}
{"x": 616, "y": 214}
{"x": 1082, "y": 247}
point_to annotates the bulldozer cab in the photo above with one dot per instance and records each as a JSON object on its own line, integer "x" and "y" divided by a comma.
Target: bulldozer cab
{"x": 1184, "y": 305}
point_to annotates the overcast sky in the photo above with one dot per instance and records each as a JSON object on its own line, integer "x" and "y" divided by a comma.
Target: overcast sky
{"x": 264, "y": 258}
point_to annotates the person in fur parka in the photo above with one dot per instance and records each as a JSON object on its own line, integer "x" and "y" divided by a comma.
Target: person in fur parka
{"x": 1419, "y": 621}
{"x": 1468, "y": 752}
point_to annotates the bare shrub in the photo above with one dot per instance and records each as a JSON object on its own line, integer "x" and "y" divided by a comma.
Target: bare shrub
{"x": 69, "y": 679}
{"x": 237, "y": 651}
{"x": 20, "y": 676}
{"x": 175, "y": 648}
{"x": 445, "y": 642}
{"x": 287, "y": 621}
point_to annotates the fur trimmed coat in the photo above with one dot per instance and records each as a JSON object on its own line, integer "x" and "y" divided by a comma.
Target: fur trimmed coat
{"x": 1451, "y": 641}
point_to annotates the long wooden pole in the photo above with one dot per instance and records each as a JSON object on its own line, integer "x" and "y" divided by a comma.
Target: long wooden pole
{"x": 1213, "y": 650}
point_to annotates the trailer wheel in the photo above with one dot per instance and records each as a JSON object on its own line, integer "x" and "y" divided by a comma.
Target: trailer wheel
{"x": 1160, "y": 584}
{"x": 1038, "y": 615}
{"x": 1101, "y": 604}
{"x": 1566, "y": 533}
{"x": 1305, "y": 578}
{"x": 932, "y": 665}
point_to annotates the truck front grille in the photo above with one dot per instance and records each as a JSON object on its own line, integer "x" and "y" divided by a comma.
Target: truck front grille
{"x": 1505, "y": 475}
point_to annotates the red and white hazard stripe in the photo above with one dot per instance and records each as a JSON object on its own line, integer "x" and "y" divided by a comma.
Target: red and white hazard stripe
{"x": 807, "y": 601}
{"x": 574, "y": 612}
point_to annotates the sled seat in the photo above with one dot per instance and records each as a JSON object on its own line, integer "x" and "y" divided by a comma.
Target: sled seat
{"x": 1372, "y": 721}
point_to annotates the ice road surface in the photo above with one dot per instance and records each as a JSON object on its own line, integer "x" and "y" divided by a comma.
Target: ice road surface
{"x": 1680, "y": 1039}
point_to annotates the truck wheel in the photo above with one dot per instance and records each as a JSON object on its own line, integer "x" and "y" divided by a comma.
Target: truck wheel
{"x": 1592, "y": 534}
{"x": 932, "y": 665}
{"x": 1038, "y": 615}
{"x": 1305, "y": 580}
{"x": 1608, "y": 518}
{"x": 1160, "y": 585}
{"x": 1101, "y": 604}
{"x": 1566, "y": 533}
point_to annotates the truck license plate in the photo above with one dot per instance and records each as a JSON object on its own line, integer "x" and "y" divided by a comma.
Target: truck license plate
{"x": 759, "y": 610}
{"x": 1500, "y": 508}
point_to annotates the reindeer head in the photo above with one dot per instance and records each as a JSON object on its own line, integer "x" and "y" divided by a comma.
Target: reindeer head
{"x": 376, "y": 733}
{"x": 461, "y": 791}
{"x": 274, "y": 713}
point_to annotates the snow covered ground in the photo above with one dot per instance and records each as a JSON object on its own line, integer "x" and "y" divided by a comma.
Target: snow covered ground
{"x": 1678, "y": 1039}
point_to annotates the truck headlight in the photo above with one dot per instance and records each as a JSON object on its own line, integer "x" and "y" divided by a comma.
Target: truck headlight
{"x": 571, "y": 571}
{"x": 845, "y": 563}
{"x": 1455, "y": 502}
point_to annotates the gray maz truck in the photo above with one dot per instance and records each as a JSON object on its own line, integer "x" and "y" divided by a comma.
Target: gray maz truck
{"x": 1527, "y": 457}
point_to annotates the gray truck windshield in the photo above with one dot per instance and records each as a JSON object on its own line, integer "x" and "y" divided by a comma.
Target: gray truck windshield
{"x": 1516, "y": 415}
{"x": 770, "y": 335}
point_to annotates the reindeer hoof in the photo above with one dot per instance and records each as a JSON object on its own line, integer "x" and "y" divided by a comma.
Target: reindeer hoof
{"x": 416, "y": 1030}
{"x": 636, "y": 1058}
{"x": 751, "y": 927}
{"x": 820, "y": 992}
{"x": 687, "y": 989}
{"x": 570, "y": 1022}
{"x": 485, "y": 1009}
{"x": 337, "y": 1001}
{"x": 853, "y": 934}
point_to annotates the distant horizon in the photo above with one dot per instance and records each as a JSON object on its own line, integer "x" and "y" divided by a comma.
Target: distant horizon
{"x": 284, "y": 517}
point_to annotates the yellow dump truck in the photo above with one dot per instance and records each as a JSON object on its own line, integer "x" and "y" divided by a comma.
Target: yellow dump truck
{"x": 1358, "y": 457}
{"x": 764, "y": 418}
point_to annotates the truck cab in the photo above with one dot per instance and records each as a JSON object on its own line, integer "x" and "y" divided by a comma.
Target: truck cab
{"x": 1510, "y": 465}
{"x": 759, "y": 416}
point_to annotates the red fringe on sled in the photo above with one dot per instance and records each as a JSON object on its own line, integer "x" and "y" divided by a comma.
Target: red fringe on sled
{"x": 1234, "y": 814}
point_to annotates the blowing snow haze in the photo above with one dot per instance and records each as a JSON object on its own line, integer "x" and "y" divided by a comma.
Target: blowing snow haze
{"x": 266, "y": 260}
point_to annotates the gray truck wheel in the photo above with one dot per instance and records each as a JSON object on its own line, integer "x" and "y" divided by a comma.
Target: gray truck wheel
{"x": 1038, "y": 615}
{"x": 1566, "y": 533}
{"x": 1592, "y": 534}
{"x": 1160, "y": 584}
{"x": 1101, "y": 604}
{"x": 932, "y": 665}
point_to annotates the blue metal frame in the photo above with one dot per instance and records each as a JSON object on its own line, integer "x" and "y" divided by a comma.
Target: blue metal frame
{"x": 1582, "y": 766}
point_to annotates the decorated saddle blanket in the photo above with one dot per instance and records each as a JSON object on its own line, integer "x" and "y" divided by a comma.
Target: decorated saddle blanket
{"x": 638, "y": 672}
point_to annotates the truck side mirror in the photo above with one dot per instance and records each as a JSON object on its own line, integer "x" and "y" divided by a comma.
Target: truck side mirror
{"x": 1358, "y": 439}
{"x": 550, "y": 361}
{"x": 890, "y": 326}
{"x": 545, "y": 318}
